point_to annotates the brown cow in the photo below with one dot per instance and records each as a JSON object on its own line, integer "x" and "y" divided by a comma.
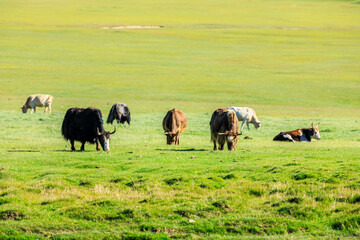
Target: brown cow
{"x": 38, "y": 100}
{"x": 224, "y": 127}
{"x": 174, "y": 124}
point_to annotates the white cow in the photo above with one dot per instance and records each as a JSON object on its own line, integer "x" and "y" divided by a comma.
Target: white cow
{"x": 246, "y": 115}
{"x": 38, "y": 100}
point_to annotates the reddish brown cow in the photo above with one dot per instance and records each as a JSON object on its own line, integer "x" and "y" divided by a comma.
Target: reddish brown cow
{"x": 174, "y": 124}
{"x": 224, "y": 127}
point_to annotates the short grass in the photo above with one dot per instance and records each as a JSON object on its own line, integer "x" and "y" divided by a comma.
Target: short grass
{"x": 294, "y": 62}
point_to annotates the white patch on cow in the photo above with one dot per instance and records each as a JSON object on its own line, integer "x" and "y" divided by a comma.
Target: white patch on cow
{"x": 288, "y": 136}
{"x": 231, "y": 138}
{"x": 107, "y": 145}
{"x": 303, "y": 138}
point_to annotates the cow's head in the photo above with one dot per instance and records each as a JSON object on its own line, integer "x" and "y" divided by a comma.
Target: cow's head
{"x": 104, "y": 139}
{"x": 24, "y": 109}
{"x": 231, "y": 139}
{"x": 257, "y": 125}
{"x": 171, "y": 137}
{"x": 315, "y": 131}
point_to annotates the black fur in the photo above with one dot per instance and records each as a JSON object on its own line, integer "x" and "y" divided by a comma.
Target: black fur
{"x": 81, "y": 124}
{"x": 280, "y": 137}
{"x": 308, "y": 133}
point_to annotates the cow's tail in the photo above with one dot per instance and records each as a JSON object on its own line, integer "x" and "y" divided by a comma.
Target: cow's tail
{"x": 65, "y": 125}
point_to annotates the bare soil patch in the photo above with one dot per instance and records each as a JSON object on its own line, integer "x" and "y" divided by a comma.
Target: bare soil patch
{"x": 131, "y": 27}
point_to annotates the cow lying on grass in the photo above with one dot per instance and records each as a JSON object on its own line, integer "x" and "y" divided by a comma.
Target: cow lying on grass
{"x": 38, "y": 100}
{"x": 299, "y": 135}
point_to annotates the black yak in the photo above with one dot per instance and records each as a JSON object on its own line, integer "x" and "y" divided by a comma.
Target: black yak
{"x": 85, "y": 125}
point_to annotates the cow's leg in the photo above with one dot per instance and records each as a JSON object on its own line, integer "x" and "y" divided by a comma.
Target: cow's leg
{"x": 247, "y": 124}
{"x": 242, "y": 124}
{"x": 34, "y": 109}
{"x": 45, "y": 109}
{"x": 288, "y": 137}
{"x": 49, "y": 108}
{"x": 214, "y": 145}
{"x": 97, "y": 145}
{"x": 221, "y": 142}
{"x": 31, "y": 110}
{"x": 178, "y": 140}
{"x": 72, "y": 145}
{"x": 82, "y": 146}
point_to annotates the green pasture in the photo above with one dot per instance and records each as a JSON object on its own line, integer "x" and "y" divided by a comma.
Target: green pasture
{"x": 294, "y": 62}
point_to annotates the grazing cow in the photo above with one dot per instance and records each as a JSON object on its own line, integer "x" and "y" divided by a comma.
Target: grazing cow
{"x": 299, "y": 135}
{"x": 38, "y": 100}
{"x": 224, "y": 127}
{"x": 120, "y": 112}
{"x": 85, "y": 125}
{"x": 174, "y": 123}
{"x": 246, "y": 115}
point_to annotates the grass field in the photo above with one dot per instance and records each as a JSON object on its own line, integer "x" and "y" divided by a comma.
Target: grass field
{"x": 294, "y": 62}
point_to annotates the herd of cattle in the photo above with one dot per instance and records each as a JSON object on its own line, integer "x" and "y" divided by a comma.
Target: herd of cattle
{"x": 86, "y": 124}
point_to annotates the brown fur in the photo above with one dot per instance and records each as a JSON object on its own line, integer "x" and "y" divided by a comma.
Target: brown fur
{"x": 297, "y": 132}
{"x": 174, "y": 123}
{"x": 224, "y": 128}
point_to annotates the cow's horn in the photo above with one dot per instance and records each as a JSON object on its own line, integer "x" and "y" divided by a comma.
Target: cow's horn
{"x": 312, "y": 124}
{"x": 98, "y": 133}
{"x": 114, "y": 130}
{"x": 166, "y": 133}
{"x": 221, "y": 133}
{"x": 240, "y": 133}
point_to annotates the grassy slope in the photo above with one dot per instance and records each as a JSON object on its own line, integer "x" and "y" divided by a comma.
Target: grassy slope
{"x": 294, "y": 58}
{"x": 208, "y": 54}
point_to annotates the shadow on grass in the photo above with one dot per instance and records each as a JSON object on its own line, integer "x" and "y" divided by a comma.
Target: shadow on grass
{"x": 78, "y": 151}
{"x": 64, "y": 150}
{"x": 183, "y": 150}
{"x": 23, "y": 150}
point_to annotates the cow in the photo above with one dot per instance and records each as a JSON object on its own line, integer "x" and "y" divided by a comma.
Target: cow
{"x": 85, "y": 125}
{"x": 246, "y": 115}
{"x": 299, "y": 135}
{"x": 174, "y": 123}
{"x": 120, "y": 112}
{"x": 38, "y": 100}
{"x": 224, "y": 127}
